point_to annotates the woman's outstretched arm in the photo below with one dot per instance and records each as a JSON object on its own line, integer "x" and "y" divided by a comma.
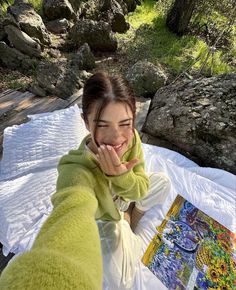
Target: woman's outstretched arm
{"x": 66, "y": 254}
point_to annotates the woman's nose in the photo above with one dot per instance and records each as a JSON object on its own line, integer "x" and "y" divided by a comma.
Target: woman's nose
{"x": 116, "y": 132}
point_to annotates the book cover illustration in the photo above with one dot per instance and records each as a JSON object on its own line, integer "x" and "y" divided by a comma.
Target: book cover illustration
{"x": 192, "y": 251}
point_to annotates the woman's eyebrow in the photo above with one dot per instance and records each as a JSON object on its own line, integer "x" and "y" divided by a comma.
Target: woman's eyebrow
{"x": 104, "y": 121}
{"x": 126, "y": 120}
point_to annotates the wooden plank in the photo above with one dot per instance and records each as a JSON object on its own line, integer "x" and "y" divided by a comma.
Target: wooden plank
{"x": 6, "y": 92}
{"x": 13, "y": 101}
{"x": 75, "y": 98}
{"x": 9, "y": 96}
{"x": 34, "y": 106}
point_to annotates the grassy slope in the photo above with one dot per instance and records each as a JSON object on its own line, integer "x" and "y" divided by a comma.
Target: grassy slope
{"x": 149, "y": 39}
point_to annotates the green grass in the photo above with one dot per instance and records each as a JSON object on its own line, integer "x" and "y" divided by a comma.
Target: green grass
{"x": 150, "y": 39}
{"x": 37, "y": 4}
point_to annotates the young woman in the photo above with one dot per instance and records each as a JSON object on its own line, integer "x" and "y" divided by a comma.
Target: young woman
{"x": 104, "y": 179}
{"x": 110, "y": 163}
{"x": 110, "y": 158}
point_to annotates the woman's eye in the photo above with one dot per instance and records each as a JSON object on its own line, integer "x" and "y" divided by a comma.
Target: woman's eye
{"x": 125, "y": 125}
{"x": 102, "y": 126}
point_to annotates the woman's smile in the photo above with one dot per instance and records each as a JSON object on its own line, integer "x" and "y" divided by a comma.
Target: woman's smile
{"x": 118, "y": 147}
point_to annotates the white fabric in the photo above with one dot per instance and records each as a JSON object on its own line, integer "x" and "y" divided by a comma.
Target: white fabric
{"x": 159, "y": 189}
{"x": 41, "y": 142}
{"x": 121, "y": 250}
{"x": 25, "y": 202}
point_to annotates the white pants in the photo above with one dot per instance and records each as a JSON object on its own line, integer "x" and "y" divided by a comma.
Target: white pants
{"x": 158, "y": 190}
{"x": 121, "y": 251}
{"x": 121, "y": 248}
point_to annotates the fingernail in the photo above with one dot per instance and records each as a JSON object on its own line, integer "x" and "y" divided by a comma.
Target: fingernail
{"x": 109, "y": 147}
{"x": 102, "y": 147}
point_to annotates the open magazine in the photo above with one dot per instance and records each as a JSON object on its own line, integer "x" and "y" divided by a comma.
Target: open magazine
{"x": 192, "y": 251}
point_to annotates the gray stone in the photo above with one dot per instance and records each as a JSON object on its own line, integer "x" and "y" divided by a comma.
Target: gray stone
{"x": 146, "y": 78}
{"x": 37, "y": 90}
{"x": 60, "y": 78}
{"x": 54, "y": 53}
{"x": 90, "y": 10}
{"x": 201, "y": 127}
{"x": 118, "y": 23}
{"x": 10, "y": 20}
{"x": 29, "y": 21}
{"x": 131, "y": 5}
{"x": 58, "y": 26}
{"x": 14, "y": 59}
{"x": 114, "y": 15}
{"x": 22, "y": 42}
{"x": 84, "y": 58}
{"x": 142, "y": 107}
{"x": 2, "y": 31}
{"x": 56, "y": 9}
{"x": 98, "y": 35}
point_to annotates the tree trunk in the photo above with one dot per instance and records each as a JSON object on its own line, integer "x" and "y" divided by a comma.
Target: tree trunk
{"x": 179, "y": 16}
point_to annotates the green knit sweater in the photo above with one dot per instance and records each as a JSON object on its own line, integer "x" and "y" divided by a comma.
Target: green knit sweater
{"x": 80, "y": 167}
{"x": 66, "y": 254}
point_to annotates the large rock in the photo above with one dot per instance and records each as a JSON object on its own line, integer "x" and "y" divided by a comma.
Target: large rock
{"x": 2, "y": 31}
{"x": 30, "y": 22}
{"x": 22, "y": 42}
{"x": 98, "y": 35}
{"x": 114, "y": 15}
{"x": 64, "y": 78}
{"x": 56, "y": 9}
{"x": 14, "y": 59}
{"x": 199, "y": 118}
{"x": 146, "y": 78}
{"x": 131, "y": 5}
{"x": 90, "y": 10}
{"x": 84, "y": 58}
{"x": 58, "y": 26}
{"x": 110, "y": 11}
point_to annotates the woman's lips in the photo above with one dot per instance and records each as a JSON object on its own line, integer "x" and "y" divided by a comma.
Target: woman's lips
{"x": 118, "y": 147}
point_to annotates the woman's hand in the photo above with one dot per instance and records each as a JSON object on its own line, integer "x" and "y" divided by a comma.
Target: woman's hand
{"x": 110, "y": 162}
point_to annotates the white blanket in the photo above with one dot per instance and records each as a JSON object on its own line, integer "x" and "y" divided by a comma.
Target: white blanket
{"x": 28, "y": 176}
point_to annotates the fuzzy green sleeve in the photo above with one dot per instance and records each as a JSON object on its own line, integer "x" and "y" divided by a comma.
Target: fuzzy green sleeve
{"x": 66, "y": 254}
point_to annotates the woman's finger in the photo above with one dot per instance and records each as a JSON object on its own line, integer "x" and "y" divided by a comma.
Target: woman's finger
{"x": 114, "y": 158}
{"x": 104, "y": 159}
{"x": 132, "y": 163}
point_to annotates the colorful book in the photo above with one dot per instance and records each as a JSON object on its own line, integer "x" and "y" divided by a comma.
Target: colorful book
{"x": 192, "y": 251}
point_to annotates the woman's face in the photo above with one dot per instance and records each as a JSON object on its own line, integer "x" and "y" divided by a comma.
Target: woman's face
{"x": 114, "y": 127}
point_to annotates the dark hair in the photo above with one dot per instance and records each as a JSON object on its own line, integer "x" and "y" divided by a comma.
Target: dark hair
{"x": 102, "y": 89}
